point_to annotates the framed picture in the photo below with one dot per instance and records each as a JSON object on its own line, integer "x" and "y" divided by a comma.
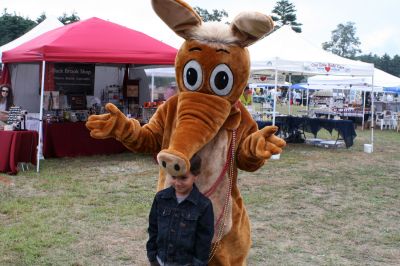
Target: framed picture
{"x": 131, "y": 90}
{"x": 77, "y": 102}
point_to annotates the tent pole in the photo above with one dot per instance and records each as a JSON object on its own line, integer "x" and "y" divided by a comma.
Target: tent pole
{"x": 290, "y": 90}
{"x": 39, "y": 148}
{"x": 276, "y": 91}
{"x": 372, "y": 113}
{"x": 152, "y": 87}
{"x": 308, "y": 95}
{"x": 363, "y": 114}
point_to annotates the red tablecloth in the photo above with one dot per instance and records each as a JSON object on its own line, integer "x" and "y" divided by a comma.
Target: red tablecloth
{"x": 73, "y": 139}
{"x": 15, "y": 147}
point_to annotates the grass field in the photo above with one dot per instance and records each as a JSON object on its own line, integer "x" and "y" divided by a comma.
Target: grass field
{"x": 314, "y": 206}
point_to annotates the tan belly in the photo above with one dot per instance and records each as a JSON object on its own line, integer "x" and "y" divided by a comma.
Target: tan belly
{"x": 214, "y": 157}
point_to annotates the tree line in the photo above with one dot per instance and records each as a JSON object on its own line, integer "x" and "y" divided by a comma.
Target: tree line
{"x": 13, "y": 26}
{"x": 344, "y": 41}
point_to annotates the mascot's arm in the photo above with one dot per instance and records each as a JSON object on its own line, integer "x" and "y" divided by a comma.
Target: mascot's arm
{"x": 128, "y": 131}
{"x": 257, "y": 145}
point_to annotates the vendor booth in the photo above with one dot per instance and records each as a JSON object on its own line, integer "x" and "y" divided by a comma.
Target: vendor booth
{"x": 285, "y": 51}
{"x": 69, "y": 73}
{"x": 379, "y": 82}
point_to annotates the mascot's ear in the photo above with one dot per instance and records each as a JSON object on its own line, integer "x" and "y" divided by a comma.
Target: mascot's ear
{"x": 178, "y": 15}
{"x": 249, "y": 27}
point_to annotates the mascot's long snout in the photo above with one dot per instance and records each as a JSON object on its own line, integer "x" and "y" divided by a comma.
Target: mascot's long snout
{"x": 199, "y": 118}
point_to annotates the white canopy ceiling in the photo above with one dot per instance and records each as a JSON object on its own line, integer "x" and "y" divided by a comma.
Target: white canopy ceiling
{"x": 46, "y": 25}
{"x": 286, "y": 51}
{"x": 304, "y": 86}
{"x": 381, "y": 79}
{"x": 161, "y": 72}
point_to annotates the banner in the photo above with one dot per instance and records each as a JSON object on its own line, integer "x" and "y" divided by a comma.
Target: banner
{"x": 72, "y": 78}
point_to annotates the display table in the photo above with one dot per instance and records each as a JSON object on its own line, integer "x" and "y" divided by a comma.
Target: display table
{"x": 70, "y": 139}
{"x": 16, "y": 147}
{"x": 290, "y": 124}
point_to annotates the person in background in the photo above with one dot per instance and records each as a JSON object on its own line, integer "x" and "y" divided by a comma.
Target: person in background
{"x": 170, "y": 91}
{"x": 181, "y": 222}
{"x": 246, "y": 97}
{"x": 298, "y": 98}
{"x": 6, "y": 101}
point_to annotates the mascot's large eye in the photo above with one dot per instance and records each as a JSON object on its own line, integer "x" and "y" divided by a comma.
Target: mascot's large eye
{"x": 221, "y": 80}
{"x": 192, "y": 75}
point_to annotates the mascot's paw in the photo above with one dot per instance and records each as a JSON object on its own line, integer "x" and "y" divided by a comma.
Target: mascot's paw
{"x": 264, "y": 143}
{"x": 112, "y": 125}
{"x": 173, "y": 162}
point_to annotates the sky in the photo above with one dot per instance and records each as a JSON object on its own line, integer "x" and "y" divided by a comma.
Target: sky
{"x": 377, "y": 21}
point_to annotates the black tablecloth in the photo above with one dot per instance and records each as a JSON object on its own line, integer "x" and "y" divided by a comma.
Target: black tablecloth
{"x": 290, "y": 124}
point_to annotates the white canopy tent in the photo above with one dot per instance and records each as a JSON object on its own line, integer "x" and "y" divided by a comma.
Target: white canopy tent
{"x": 311, "y": 86}
{"x": 381, "y": 79}
{"x": 285, "y": 51}
{"x": 168, "y": 72}
{"x": 46, "y": 25}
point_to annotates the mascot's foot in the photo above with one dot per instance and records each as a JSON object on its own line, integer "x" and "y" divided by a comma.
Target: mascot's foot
{"x": 172, "y": 163}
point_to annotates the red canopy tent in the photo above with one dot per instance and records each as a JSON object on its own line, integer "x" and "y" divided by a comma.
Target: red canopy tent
{"x": 93, "y": 41}
{"x": 90, "y": 41}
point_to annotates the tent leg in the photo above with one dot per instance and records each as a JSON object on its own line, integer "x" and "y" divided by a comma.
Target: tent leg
{"x": 290, "y": 94}
{"x": 152, "y": 87}
{"x": 372, "y": 113}
{"x": 40, "y": 141}
{"x": 363, "y": 113}
{"x": 276, "y": 90}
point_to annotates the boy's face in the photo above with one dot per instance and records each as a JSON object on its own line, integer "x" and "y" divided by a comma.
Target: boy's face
{"x": 183, "y": 184}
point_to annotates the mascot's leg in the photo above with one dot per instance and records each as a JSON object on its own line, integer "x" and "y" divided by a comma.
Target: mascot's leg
{"x": 235, "y": 246}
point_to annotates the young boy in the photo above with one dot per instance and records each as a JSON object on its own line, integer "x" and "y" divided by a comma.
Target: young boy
{"x": 181, "y": 222}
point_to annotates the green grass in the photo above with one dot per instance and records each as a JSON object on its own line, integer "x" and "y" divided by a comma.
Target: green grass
{"x": 314, "y": 206}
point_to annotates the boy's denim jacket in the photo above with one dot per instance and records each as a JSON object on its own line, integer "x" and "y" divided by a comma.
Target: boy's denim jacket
{"x": 180, "y": 233}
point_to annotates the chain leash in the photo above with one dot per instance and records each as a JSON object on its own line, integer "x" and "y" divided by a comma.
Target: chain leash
{"x": 227, "y": 197}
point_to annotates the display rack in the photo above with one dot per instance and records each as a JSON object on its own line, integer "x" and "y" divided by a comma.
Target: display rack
{"x": 147, "y": 113}
{"x": 112, "y": 94}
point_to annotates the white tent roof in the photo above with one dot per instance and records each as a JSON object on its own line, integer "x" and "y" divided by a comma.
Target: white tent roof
{"x": 304, "y": 86}
{"x": 286, "y": 51}
{"x": 46, "y": 25}
{"x": 161, "y": 72}
{"x": 381, "y": 79}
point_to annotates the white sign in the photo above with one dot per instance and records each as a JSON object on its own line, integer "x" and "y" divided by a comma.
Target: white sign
{"x": 326, "y": 68}
{"x": 266, "y": 78}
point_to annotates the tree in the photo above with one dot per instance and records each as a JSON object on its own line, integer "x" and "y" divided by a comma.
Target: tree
{"x": 13, "y": 26}
{"x": 285, "y": 14}
{"x": 65, "y": 19}
{"x": 41, "y": 18}
{"x": 216, "y": 14}
{"x": 344, "y": 41}
{"x": 395, "y": 70}
{"x": 385, "y": 63}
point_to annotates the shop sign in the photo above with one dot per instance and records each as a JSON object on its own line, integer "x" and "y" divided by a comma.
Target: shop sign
{"x": 72, "y": 78}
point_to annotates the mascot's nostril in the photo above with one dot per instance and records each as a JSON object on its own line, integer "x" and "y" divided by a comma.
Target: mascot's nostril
{"x": 177, "y": 168}
{"x": 164, "y": 164}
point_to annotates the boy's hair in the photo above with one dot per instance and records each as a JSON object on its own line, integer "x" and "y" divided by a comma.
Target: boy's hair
{"x": 195, "y": 165}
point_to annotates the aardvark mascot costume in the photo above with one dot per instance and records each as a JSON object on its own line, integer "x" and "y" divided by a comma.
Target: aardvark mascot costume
{"x": 205, "y": 117}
